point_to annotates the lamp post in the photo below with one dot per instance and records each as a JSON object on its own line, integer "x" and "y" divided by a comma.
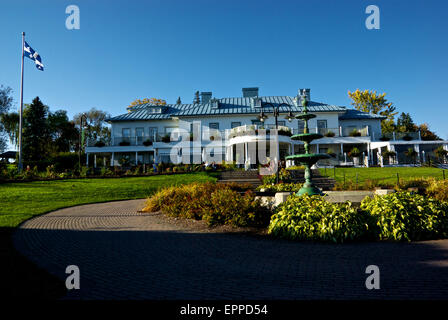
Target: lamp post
{"x": 83, "y": 120}
{"x": 276, "y": 114}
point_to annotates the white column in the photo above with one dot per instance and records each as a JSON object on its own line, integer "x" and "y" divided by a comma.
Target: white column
{"x": 94, "y": 160}
{"x": 342, "y": 148}
{"x": 104, "y": 160}
{"x": 136, "y": 157}
{"x": 417, "y": 148}
{"x": 87, "y": 159}
{"x": 317, "y": 148}
{"x": 112, "y": 159}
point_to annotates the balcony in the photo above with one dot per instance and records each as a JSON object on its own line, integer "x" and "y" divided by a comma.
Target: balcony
{"x": 398, "y": 136}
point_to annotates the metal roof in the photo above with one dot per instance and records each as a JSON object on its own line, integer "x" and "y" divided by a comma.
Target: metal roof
{"x": 227, "y": 106}
{"x": 353, "y": 114}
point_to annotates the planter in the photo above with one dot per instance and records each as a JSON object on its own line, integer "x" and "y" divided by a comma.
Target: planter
{"x": 147, "y": 143}
{"x": 356, "y": 161}
{"x": 124, "y": 143}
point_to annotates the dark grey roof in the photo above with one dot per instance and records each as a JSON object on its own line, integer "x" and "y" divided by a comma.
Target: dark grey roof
{"x": 353, "y": 114}
{"x": 227, "y": 106}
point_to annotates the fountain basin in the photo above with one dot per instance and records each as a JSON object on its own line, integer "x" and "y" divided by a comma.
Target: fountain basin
{"x": 306, "y": 116}
{"x": 308, "y": 158}
{"x": 307, "y": 137}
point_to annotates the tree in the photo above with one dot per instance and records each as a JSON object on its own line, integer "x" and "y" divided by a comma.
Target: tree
{"x": 96, "y": 125}
{"x": 10, "y": 122}
{"x": 427, "y": 134}
{"x": 36, "y": 135}
{"x": 405, "y": 123}
{"x": 5, "y": 104}
{"x": 178, "y": 101}
{"x": 64, "y": 134}
{"x": 151, "y": 101}
{"x": 370, "y": 101}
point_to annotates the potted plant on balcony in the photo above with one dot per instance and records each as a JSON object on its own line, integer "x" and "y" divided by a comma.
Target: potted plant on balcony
{"x": 330, "y": 134}
{"x": 124, "y": 143}
{"x": 355, "y": 133}
{"x": 99, "y": 144}
{"x": 407, "y": 137}
{"x": 166, "y": 138}
{"x": 355, "y": 153}
{"x": 147, "y": 143}
{"x": 384, "y": 138}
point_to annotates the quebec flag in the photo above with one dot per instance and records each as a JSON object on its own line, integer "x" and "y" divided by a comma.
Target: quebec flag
{"x": 33, "y": 55}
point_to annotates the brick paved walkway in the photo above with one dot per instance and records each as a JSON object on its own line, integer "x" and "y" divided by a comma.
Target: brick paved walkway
{"x": 123, "y": 254}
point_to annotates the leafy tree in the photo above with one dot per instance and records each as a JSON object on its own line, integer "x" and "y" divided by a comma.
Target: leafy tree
{"x": 5, "y": 104}
{"x": 64, "y": 134}
{"x": 10, "y": 122}
{"x": 427, "y": 134}
{"x": 405, "y": 123}
{"x": 96, "y": 125}
{"x": 370, "y": 101}
{"x": 151, "y": 101}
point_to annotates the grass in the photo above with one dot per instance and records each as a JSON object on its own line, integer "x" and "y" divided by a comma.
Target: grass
{"x": 385, "y": 175}
{"x": 23, "y": 200}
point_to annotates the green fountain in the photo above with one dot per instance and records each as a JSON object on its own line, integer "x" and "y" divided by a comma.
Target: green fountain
{"x": 307, "y": 159}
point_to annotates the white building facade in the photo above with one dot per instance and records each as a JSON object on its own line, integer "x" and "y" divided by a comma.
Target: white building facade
{"x": 230, "y": 129}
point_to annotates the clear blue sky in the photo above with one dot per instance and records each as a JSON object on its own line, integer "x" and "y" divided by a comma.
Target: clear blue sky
{"x": 165, "y": 49}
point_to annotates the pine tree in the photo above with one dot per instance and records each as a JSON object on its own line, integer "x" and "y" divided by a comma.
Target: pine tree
{"x": 178, "y": 101}
{"x": 35, "y": 131}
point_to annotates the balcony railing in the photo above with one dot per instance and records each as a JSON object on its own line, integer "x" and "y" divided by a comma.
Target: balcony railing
{"x": 397, "y": 136}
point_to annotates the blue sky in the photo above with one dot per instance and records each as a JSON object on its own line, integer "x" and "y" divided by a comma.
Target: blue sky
{"x": 135, "y": 49}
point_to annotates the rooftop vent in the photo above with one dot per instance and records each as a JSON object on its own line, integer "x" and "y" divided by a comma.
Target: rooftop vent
{"x": 304, "y": 92}
{"x": 205, "y": 97}
{"x": 215, "y": 103}
{"x": 250, "y": 92}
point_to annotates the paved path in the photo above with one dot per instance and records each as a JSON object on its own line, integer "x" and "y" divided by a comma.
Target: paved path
{"x": 123, "y": 254}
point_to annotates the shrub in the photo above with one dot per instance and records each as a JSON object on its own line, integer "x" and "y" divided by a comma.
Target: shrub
{"x": 438, "y": 189}
{"x": 354, "y": 153}
{"x": 147, "y": 143}
{"x": 388, "y": 154}
{"x": 124, "y": 143}
{"x": 281, "y": 187}
{"x": 50, "y": 172}
{"x": 406, "y": 216}
{"x": 407, "y": 138}
{"x": 330, "y": 134}
{"x": 313, "y": 218}
{"x": 383, "y": 138}
{"x": 214, "y": 203}
{"x": 65, "y": 161}
{"x": 355, "y": 133}
{"x": 106, "y": 172}
{"x": 100, "y": 144}
{"x": 283, "y": 176}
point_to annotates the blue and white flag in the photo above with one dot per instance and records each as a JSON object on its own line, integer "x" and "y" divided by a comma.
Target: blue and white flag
{"x": 33, "y": 55}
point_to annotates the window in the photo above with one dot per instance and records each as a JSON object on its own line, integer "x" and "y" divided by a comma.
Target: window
{"x": 281, "y": 123}
{"x": 235, "y": 124}
{"x": 214, "y": 125}
{"x": 126, "y": 135}
{"x": 257, "y": 123}
{"x": 172, "y": 132}
{"x": 322, "y": 126}
{"x": 139, "y": 133}
{"x": 126, "y": 132}
{"x": 153, "y": 133}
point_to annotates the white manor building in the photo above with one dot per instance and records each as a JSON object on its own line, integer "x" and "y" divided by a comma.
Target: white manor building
{"x": 223, "y": 129}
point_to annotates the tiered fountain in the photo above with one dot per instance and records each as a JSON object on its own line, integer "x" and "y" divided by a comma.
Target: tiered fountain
{"x": 307, "y": 159}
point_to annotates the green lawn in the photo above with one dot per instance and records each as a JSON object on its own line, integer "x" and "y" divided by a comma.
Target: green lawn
{"x": 23, "y": 200}
{"x": 385, "y": 175}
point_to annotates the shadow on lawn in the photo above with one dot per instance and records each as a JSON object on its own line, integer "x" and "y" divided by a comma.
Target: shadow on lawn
{"x": 187, "y": 265}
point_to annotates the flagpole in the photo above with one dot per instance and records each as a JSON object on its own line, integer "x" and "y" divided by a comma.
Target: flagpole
{"x": 20, "y": 167}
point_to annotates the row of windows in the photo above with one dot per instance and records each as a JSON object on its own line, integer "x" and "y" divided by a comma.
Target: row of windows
{"x": 139, "y": 132}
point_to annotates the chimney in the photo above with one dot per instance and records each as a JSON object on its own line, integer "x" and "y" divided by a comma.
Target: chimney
{"x": 205, "y": 97}
{"x": 304, "y": 92}
{"x": 250, "y": 92}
